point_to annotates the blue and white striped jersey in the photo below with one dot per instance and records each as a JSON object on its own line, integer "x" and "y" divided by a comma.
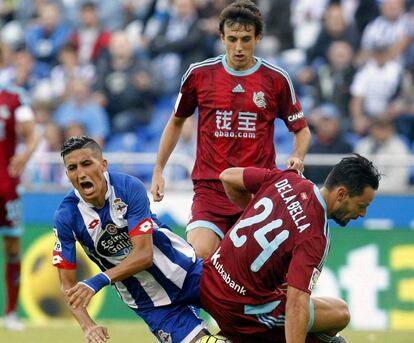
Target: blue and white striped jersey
{"x": 105, "y": 235}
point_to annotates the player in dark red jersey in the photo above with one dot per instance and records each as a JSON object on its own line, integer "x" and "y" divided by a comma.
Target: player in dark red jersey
{"x": 16, "y": 119}
{"x": 257, "y": 284}
{"x": 238, "y": 97}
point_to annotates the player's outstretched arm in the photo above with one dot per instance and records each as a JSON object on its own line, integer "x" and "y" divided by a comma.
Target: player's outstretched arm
{"x": 301, "y": 144}
{"x": 232, "y": 180}
{"x": 297, "y": 315}
{"x": 93, "y": 333}
{"x": 168, "y": 142}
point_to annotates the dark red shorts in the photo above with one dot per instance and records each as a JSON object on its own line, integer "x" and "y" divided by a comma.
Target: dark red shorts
{"x": 10, "y": 214}
{"x": 242, "y": 323}
{"x": 240, "y": 327}
{"x": 212, "y": 209}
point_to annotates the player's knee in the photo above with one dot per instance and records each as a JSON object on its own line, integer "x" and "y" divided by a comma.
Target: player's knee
{"x": 344, "y": 315}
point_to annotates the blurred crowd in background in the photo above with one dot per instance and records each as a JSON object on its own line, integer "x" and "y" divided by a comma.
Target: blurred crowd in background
{"x": 112, "y": 69}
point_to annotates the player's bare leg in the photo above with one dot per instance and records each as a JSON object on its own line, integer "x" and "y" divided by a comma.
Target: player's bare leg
{"x": 12, "y": 255}
{"x": 331, "y": 315}
{"x": 204, "y": 241}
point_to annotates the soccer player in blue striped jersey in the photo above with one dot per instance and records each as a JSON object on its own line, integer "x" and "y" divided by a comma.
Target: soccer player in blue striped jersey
{"x": 155, "y": 272}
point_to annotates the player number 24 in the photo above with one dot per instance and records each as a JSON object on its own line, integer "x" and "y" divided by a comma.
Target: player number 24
{"x": 260, "y": 235}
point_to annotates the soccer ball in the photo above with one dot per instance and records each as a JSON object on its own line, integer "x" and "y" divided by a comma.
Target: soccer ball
{"x": 213, "y": 339}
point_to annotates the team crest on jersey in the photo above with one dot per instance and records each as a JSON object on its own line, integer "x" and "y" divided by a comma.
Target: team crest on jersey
{"x": 111, "y": 228}
{"x": 259, "y": 99}
{"x": 119, "y": 206}
{"x": 164, "y": 336}
{"x": 314, "y": 278}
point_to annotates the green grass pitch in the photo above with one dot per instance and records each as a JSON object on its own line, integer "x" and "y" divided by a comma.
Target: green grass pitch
{"x": 137, "y": 332}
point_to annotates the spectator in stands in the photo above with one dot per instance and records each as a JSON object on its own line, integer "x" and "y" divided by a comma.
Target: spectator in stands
{"x": 390, "y": 29}
{"x": 126, "y": 86}
{"x": 401, "y": 108}
{"x": 328, "y": 139}
{"x": 43, "y": 171}
{"x": 373, "y": 87}
{"x": 28, "y": 73}
{"x": 358, "y": 12}
{"x": 90, "y": 38}
{"x": 7, "y": 70}
{"x": 69, "y": 68}
{"x": 45, "y": 39}
{"x": 278, "y": 24}
{"x": 333, "y": 79}
{"x": 383, "y": 140}
{"x": 334, "y": 28}
{"x": 80, "y": 107}
{"x": 179, "y": 43}
{"x": 306, "y": 19}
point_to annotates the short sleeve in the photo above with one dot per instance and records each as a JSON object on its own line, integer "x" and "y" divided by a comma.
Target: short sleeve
{"x": 253, "y": 178}
{"x": 138, "y": 214}
{"x": 307, "y": 262}
{"x": 290, "y": 109}
{"x": 64, "y": 250}
{"x": 186, "y": 102}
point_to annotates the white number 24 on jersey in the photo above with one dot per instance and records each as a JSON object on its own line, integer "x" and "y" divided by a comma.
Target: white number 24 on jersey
{"x": 260, "y": 235}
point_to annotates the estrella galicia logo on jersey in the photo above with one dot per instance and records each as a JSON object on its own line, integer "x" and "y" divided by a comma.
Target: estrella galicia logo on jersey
{"x": 120, "y": 207}
{"x": 314, "y": 278}
{"x": 164, "y": 336}
{"x": 114, "y": 241}
{"x": 259, "y": 99}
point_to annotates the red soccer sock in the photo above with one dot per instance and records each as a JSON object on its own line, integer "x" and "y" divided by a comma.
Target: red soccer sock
{"x": 12, "y": 285}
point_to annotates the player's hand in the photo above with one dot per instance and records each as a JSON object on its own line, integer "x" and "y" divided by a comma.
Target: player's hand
{"x": 17, "y": 164}
{"x": 79, "y": 295}
{"x": 295, "y": 163}
{"x": 96, "y": 334}
{"x": 157, "y": 186}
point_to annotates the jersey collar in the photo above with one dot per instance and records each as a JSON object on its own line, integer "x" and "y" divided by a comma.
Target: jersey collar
{"x": 241, "y": 72}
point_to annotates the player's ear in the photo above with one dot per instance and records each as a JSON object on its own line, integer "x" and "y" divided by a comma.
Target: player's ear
{"x": 341, "y": 193}
{"x": 104, "y": 165}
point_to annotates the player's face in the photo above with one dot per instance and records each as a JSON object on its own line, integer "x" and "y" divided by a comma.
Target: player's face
{"x": 348, "y": 208}
{"x": 85, "y": 169}
{"x": 240, "y": 42}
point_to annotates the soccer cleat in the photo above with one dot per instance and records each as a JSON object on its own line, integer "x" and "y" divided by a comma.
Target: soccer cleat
{"x": 12, "y": 322}
{"x": 338, "y": 339}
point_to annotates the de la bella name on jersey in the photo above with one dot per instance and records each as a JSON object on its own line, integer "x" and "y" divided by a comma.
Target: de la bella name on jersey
{"x": 295, "y": 209}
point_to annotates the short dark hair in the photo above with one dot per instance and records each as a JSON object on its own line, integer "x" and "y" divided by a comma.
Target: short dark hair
{"x": 242, "y": 12}
{"x": 79, "y": 142}
{"x": 355, "y": 173}
{"x": 88, "y": 5}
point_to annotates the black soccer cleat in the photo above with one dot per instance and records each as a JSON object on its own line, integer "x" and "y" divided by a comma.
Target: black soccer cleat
{"x": 339, "y": 339}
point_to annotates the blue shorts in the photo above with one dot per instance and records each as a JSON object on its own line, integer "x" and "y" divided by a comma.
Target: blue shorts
{"x": 178, "y": 322}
